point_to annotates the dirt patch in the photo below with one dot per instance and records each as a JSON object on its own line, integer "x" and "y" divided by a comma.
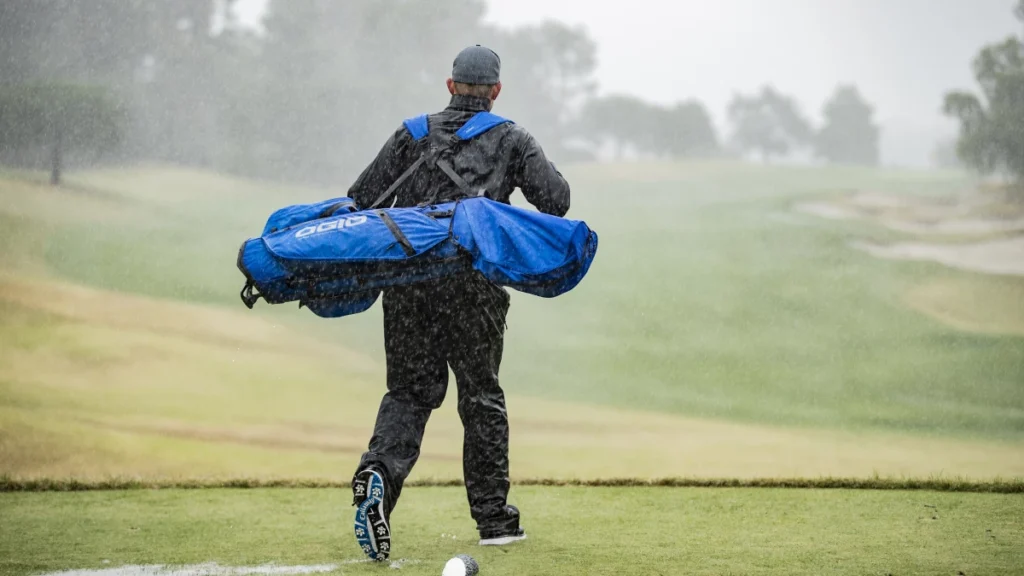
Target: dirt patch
{"x": 989, "y": 306}
{"x": 1003, "y": 257}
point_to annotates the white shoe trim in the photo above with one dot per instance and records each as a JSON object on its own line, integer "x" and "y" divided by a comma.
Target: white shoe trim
{"x": 502, "y": 541}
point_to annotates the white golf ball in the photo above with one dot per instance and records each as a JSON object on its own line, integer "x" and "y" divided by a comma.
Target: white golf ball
{"x": 461, "y": 565}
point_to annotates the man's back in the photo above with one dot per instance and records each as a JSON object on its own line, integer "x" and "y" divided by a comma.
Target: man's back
{"x": 499, "y": 161}
{"x": 456, "y": 322}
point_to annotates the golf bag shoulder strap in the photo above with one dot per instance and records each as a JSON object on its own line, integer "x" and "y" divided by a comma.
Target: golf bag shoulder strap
{"x": 419, "y": 129}
{"x": 480, "y": 123}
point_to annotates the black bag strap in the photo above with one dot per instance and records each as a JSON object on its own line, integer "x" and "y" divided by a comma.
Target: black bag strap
{"x": 405, "y": 176}
{"x": 432, "y": 157}
{"x": 447, "y": 169}
{"x": 397, "y": 233}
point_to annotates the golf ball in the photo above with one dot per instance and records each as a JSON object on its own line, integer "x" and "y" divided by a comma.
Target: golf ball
{"x": 461, "y": 565}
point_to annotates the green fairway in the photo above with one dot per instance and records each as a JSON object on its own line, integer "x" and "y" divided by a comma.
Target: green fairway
{"x": 708, "y": 297}
{"x": 719, "y": 334}
{"x": 571, "y": 531}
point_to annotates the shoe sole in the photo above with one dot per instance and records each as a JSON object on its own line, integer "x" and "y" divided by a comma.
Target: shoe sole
{"x": 371, "y": 527}
{"x": 504, "y": 540}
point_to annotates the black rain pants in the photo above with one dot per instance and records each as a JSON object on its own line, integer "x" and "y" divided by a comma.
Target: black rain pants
{"x": 457, "y": 322}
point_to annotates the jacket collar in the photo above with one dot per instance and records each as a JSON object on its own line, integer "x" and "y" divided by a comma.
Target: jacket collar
{"x": 468, "y": 103}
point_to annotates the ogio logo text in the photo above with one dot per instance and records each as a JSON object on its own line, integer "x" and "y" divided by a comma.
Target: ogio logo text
{"x": 331, "y": 225}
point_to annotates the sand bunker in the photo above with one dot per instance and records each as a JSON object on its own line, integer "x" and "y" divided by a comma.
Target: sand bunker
{"x": 877, "y": 200}
{"x": 967, "y": 215}
{"x": 1005, "y": 257}
{"x": 827, "y": 210}
{"x": 982, "y": 218}
{"x": 965, "y": 226}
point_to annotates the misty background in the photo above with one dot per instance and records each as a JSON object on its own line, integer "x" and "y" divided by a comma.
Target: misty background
{"x": 903, "y": 54}
{"x": 766, "y": 303}
{"x": 308, "y": 90}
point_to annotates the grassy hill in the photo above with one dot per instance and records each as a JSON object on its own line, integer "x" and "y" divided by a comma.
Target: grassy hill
{"x": 718, "y": 334}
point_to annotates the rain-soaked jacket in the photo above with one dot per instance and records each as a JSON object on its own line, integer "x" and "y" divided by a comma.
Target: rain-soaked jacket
{"x": 498, "y": 161}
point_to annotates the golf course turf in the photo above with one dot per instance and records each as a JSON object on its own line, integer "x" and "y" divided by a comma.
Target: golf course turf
{"x": 572, "y": 530}
{"x": 724, "y": 347}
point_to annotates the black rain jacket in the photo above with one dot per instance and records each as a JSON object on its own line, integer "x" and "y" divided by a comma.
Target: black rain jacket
{"x": 498, "y": 161}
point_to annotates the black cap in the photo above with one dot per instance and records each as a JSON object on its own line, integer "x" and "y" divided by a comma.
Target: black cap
{"x": 477, "y": 65}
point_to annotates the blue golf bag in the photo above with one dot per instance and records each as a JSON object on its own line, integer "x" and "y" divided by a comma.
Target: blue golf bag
{"x": 335, "y": 259}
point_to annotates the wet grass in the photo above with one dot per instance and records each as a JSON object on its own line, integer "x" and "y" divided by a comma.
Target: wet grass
{"x": 97, "y": 385}
{"x": 8, "y": 484}
{"x": 572, "y": 530}
{"x": 723, "y": 352}
{"x": 709, "y": 299}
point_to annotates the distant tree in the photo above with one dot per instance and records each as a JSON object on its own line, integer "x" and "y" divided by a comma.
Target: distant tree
{"x": 992, "y": 131}
{"x": 336, "y": 78}
{"x": 548, "y": 76}
{"x": 629, "y": 123}
{"x": 848, "y": 136}
{"x": 686, "y": 129}
{"x": 56, "y": 119}
{"x": 312, "y": 98}
{"x": 157, "y": 59}
{"x": 770, "y": 123}
{"x": 622, "y": 122}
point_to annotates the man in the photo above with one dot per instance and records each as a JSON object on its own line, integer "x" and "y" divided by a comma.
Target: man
{"x": 457, "y": 321}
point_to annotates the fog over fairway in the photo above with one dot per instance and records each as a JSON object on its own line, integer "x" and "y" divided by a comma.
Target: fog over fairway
{"x": 903, "y": 54}
{"x": 799, "y": 349}
{"x": 142, "y": 143}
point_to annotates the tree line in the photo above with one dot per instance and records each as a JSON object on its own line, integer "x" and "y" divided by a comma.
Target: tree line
{"x": 313, "y": 96}
{"x": 991, "y": 138}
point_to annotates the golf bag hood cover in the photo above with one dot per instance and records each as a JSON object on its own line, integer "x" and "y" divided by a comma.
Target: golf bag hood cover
{"x": 335, "y": 259}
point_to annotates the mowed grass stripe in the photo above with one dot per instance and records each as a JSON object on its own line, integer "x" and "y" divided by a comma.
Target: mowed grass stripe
{"x": 719, "y": 335}
{"x": 572, "y": 531}
{"x": 709, "y": 298}
{"x": 1010, "y": 486}
{"x": 97, "y": 385}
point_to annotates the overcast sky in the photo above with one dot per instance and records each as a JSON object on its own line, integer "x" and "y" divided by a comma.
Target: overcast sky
{"x": 902, "y": 54}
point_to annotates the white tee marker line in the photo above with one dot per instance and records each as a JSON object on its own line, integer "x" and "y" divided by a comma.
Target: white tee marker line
{"x": 209, "y": 569}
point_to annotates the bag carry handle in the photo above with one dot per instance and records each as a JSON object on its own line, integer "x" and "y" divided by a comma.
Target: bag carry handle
{"x": 249, "y": 296}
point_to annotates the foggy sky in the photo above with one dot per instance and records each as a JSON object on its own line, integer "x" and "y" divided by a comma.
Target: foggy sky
{"x": 903, "y": 54}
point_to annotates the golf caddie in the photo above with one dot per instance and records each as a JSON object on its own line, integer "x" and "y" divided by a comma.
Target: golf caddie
{"x": 456, "y": 321}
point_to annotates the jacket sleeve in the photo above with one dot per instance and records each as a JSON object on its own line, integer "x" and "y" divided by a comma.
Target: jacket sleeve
{"x": 542, "y": 184}
{"x": 380, "y": 173}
